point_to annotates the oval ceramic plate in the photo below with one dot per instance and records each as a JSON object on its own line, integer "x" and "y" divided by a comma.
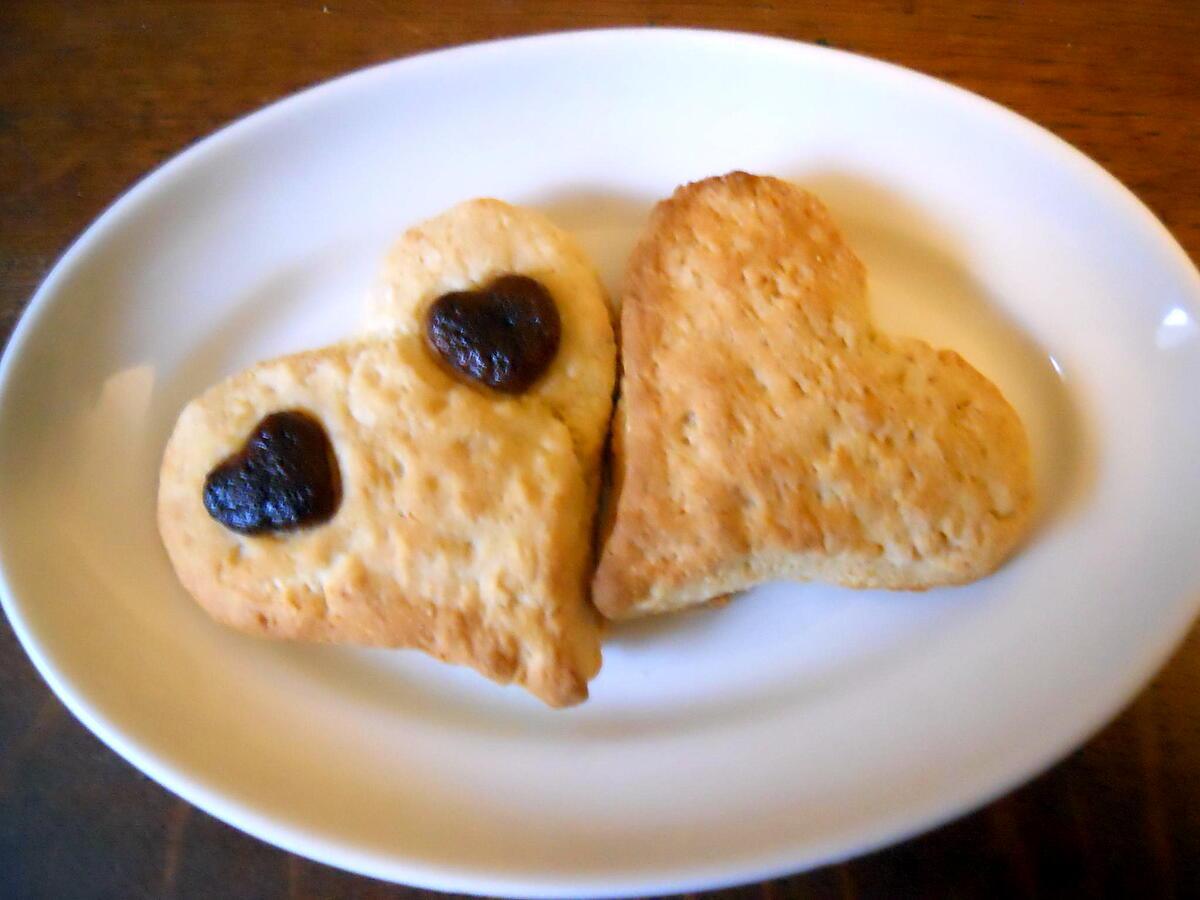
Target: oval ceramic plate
{"x": 798, "y": 725}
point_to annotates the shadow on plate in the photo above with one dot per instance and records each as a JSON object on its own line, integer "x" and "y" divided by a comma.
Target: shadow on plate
{"x": 606, "y": 223}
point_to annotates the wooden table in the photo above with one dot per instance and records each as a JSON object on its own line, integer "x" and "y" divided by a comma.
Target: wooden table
{"x": 95, "y": 94}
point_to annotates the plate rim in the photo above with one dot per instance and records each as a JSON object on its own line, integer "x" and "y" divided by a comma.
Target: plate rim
{"x": 969, "y": 797}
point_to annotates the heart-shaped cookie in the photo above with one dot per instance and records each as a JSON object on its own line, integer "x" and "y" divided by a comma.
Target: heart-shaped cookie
{"x": 766, "y": 429}
{"x": 463, "y": 528}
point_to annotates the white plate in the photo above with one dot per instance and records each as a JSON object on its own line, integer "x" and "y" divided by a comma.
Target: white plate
{"x": 796, "y": 726}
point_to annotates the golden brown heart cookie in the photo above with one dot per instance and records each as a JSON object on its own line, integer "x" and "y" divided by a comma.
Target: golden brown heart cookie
{"x": 462, "y": 526}
{"x": 766, "y": 429}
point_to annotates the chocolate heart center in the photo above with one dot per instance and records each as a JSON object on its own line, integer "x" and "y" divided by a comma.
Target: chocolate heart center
{"x": 504, "y": 335}
{"x": 283, "y": 478}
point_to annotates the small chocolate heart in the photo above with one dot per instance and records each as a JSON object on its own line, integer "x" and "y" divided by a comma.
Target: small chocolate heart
{"x": 504, "y": 335}
{"x": 283, "y": 478}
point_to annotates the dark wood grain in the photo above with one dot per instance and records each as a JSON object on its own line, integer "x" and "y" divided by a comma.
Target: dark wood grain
{"x": 92, "y": 95}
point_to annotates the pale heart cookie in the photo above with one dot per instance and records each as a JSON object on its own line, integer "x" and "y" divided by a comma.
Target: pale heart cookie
{"x": 467, "y": 249}
{"x": 365, "y": 496}
{"x": 767, "y": 430}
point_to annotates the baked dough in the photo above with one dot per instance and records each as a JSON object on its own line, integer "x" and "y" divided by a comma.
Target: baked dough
{"x": 767, "y": 430}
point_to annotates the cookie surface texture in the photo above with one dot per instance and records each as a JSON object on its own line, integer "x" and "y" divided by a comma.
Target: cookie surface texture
{"x": 766, "y": 429}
